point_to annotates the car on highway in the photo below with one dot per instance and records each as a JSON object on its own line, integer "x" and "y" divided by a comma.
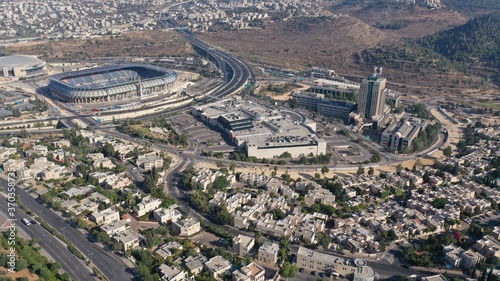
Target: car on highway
{"x": 26, "y": 221}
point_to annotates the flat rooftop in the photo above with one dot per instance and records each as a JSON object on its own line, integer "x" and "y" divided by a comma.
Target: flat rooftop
{"x": 270, "y": 127}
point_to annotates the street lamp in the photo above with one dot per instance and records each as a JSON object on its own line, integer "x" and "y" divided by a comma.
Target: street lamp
{"x": 64, "y": 233}
{"x": 90, "y": 257}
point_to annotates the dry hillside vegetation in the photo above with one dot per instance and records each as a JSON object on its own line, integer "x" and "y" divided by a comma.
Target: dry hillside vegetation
{"x": 301, "y": 42}
{"x": 352, "y": 48}
{"x": 413, "y": 23}
{"x": 135, "y": 44}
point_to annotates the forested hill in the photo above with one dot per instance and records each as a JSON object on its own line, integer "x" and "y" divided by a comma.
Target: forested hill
{"x": 479, "y": 39}
{"x": 473, "y": 4}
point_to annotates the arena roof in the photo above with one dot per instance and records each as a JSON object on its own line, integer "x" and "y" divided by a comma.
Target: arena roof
{"x": 17, "y": 60}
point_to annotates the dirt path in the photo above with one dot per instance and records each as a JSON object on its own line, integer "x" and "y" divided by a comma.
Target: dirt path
{"x": 453, "y": 130}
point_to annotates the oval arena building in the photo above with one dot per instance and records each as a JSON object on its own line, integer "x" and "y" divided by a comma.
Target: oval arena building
{"x": 21, "y": 66}
{"x": 109, "y": 83}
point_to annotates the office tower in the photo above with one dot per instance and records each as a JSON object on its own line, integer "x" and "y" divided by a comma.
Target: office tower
{"x": 371, "y": 98}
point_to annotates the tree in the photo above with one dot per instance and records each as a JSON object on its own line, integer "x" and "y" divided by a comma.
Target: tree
{"x": 325, "y": 170}
{"x": 220, "y": 182}
{"x": 371, "y": 171}
{"x": 285, "y": 154}
{"x": 82, "y": 223}
{"x": 399, "y": 168}
{"x": 108, "y": 150}
{"x": 288, "y": 270}
{"x": 303, "y": 160}
{"x": 375, "y": 157}
{"x": 21, "y": 264}
{"x": 223, "y": 215}
{"x": 361, "y": 171}
{"x": 447, "y": 151}
{"x": 232, "y": 167}
{"x": 284, "y": 247}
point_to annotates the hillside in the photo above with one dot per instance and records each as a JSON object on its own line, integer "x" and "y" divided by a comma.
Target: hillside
{"x": 403, "y": 21}
{"x": 468, "y": 5}
{"x": 135, "y": 44}
{"x": 300, "y": 42}
{"x": 475, "y": 44}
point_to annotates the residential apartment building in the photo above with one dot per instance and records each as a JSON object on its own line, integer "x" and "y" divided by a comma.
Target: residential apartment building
{"x": 105, "y": 216}
{"x": 128, "y": 240}
{"x": 147, "y": 205}
{"x": 186, "y": 227}
{"x": 268, "y": 252}
{"x": 251, "y": 272}
{"x": 488, "y": 246}
{"x": 217, "y": 266}
{"x": 171, "y": 273}
{"x": 114, "y": 227}
{"x": 164, "y": 215}
{"x": 310, "y": 260}
{"x": 242, "y": 245}
{"x": 149, "y": 161}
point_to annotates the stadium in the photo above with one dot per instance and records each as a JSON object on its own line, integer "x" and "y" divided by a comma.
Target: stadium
{"x": 19, "y": 66}
{"x": 109, "y": 83}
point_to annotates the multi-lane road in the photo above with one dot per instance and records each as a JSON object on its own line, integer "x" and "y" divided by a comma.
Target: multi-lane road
{"x": 107, "y": 262}
{"x": 75, "y": 267}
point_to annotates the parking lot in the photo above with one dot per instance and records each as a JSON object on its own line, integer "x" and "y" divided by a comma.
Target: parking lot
{"x": 198, "y": 132}
{"x": 210, "y": 240}
{"x": 490, "y": 218}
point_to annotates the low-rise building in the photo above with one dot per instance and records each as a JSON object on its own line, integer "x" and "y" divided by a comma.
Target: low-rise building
{"x": 268, "y": 252}
{"x": 114, "y": 227}
{"x": 217, "y": 266}
{"x": 165, "y": 251}
{"x": 149, "y": 161}
{"x": 171, "y": 273}
{"x": 78, "y": 191}
{"x": 488, "y": 246}
{"x": 311, "y": 260}
{"x": 105, "y": 216}
{"x": 242, "y": 245}
{"x": 105, "y": 163}
{"x": 147, "y": 205}
{"x": 186, "y": 227}
{"x": 251, "y": 272}
{"x": 402, "y": 134}
{"x": 164, "y": 215}
{"x": 195, "y": 264}
{"x": 128, "y": 240}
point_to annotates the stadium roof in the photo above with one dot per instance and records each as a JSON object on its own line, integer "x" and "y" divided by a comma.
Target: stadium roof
{"x": 17, "y": 60}
{"x": 104, "y": 69}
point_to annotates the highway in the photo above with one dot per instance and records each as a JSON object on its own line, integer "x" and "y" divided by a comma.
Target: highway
{"x": 107, "y": 262}
{"x": 236, "y": 74}
{"x": 75, "y": 267}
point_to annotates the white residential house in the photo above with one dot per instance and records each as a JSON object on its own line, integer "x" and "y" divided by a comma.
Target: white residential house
{"x": 147, "y": 205}
{"x": 251, "y": 272}
{"x": 171, "y": 273}
{"x": 186, "y": 227}
{"x": 164, "y": 215}
{"x": 105, "y": 216}
{"x": 114, "y": 227}
{"x": 128, "y": 240}
{"x": 217, "y": 266}
{"x": 149, "y": 161}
